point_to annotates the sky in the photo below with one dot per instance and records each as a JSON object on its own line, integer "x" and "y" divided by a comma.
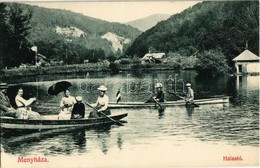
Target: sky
{"x": 120, "y": 11}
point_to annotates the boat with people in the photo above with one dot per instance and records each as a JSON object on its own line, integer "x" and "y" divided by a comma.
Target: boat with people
{"x": 209, "y": 101}
{"x": 51, "y": 122}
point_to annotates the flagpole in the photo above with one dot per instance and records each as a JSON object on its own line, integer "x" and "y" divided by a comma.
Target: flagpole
{"x": 35, "y": 57}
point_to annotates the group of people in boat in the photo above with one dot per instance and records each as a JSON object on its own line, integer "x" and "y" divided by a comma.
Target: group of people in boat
{"x": 21, "y": 111}
{"x": 71, "y": 107}
{"x": 159, "y": 96}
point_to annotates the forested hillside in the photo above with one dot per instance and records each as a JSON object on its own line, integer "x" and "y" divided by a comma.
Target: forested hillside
{"x": 222, "y": 26}
{"x": 59, "y": 35}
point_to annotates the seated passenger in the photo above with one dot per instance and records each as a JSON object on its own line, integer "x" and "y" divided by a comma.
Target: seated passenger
{"x": 22, "y": 106}
{"x": 5, "y": 106}
{"x": 78, "y": 110}
{"x": 66, "y": 105}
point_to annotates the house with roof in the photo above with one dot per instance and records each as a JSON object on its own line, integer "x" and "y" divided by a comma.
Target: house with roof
{"x": 247, "y": 62}
{"x": 153, "y": 57}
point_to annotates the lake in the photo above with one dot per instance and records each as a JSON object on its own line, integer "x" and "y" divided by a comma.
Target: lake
{"x": 177, "y": 138}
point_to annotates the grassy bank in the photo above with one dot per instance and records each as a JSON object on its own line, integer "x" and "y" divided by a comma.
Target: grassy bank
{"x": 84, "y": 68}
{"x": 59, "y": 69}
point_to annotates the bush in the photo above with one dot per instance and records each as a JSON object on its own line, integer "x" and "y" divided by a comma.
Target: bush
{"x": 125, "y": 61}
{"x": 212, "y": 63}
{"x": 113, "y": 68}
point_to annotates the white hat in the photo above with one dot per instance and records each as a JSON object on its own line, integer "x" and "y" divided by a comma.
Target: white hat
{"x": 3, "y": 86}
{"x": 158, "y": 85}
{"x": 79, "y": 98}
{"x": 188, "y": 84}
{"x": 20, "y": 90}
{"x": 102, "y": 88}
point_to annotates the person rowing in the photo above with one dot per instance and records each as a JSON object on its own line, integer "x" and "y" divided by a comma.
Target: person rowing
{"x": 190, "y": 94}
{"x": 101, "y": 104}
{"x": 159, "y": 95}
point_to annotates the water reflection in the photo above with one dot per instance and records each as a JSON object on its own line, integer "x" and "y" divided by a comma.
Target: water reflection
{"x": 119, "y": 141}
{"x": 103, "y": 136}
{"x": 59, "y": 142}
{"x": 190, "y": 109}
{"x": 80, "y": 140}
{"x": 238, "y": 124}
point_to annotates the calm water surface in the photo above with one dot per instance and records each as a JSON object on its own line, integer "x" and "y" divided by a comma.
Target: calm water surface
{"x": 144, "y": 130}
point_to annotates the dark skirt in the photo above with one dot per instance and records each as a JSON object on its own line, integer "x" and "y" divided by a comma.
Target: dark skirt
{"x": 95, "y": 114}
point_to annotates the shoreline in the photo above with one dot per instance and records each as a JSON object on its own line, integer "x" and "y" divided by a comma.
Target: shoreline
{"x": 94, "y": 67}
{"x": 81, "y": 68}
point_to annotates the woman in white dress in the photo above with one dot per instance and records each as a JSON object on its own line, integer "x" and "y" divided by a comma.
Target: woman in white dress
{"x": 101, "y": 104}
{"x": 66, "y": 105}
{"x": 22, "y": 106}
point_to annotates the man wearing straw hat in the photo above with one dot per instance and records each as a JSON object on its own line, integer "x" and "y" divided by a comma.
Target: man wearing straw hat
{"x": 5, "y": 106}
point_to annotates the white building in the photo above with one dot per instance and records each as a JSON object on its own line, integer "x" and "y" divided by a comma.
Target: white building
{"x": 247, "y": 62}
{"x": 153, "y": 57}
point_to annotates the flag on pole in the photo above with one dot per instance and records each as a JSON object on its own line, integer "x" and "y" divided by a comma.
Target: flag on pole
{"x": 34, "y": 48}
{"x": 118, "y": 96}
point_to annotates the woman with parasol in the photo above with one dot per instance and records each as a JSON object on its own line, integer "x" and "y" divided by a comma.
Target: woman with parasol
{"x": 66, "y": 105}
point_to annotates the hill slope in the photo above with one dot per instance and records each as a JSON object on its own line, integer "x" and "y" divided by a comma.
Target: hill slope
{"x": 225, "y": 26}
{"x": 62, "y": 33}
{"x": 148, "y": 22}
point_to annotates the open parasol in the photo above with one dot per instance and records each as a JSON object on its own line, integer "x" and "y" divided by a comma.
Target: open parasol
{"x": 59, "y": 87}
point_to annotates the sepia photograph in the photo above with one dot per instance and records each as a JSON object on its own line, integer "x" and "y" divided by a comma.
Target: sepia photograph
{"x": 129, "y": 84}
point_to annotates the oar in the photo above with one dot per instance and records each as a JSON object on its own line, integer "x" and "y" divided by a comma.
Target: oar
{"x": 161, "y": 109}
{"x": 115, "y": 121}
{"x": 195, "y": 105}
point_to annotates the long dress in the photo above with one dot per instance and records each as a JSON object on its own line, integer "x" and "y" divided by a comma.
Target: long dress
{"x": 22, "y": 107}
{"x": 101, "y": 105}
{"x": 66, "y": 105}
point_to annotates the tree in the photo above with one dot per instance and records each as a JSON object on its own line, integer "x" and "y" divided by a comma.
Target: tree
{"x": 212, "y": 63}
{"x": 18, "y": 26}
{"x": 3, "y": 34}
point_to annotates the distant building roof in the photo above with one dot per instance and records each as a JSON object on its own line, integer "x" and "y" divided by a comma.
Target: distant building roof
{"x": 153, "y": 55}
{"x": 246, "y": 56}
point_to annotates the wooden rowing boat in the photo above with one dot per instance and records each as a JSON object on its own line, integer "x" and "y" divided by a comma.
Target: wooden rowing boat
{"x": 8, "y": 123}
{"x": 216, "y": 100}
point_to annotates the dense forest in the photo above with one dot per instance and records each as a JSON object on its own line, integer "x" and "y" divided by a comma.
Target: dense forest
{"x": 223, "y": 27}
{"x": 23, "y": 26}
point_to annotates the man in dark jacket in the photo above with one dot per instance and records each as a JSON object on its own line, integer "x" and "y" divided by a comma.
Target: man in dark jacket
{"x": 5, "y": 106}
{"x": 78, "y": 110}
{"x": 159, "y": 93}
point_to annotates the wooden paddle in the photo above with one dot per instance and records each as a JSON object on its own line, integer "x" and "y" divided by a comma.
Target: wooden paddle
{"x": 195, "y": 105}
{"x": 161, "y": 109}
{"x": 115, "y": 121}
